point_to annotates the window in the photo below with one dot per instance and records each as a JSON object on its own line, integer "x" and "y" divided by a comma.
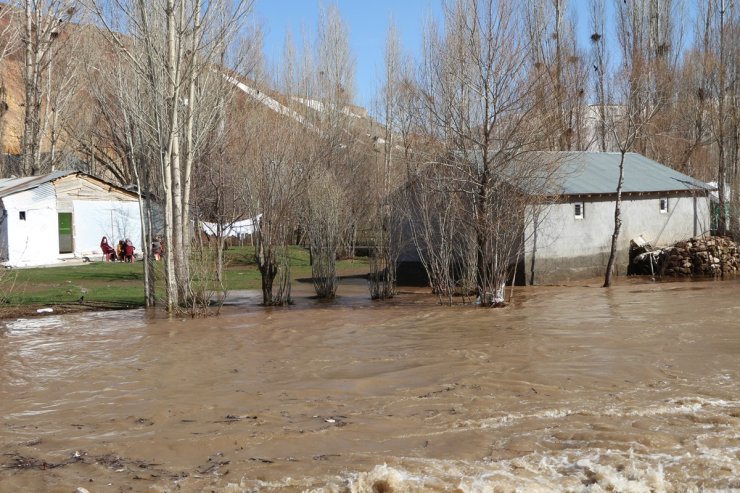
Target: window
{"x": 578, "y": 210}
{"x": 663, "y": 206}
{"x": 22, "y": 215}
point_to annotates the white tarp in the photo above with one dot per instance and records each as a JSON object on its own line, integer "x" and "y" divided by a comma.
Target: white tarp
{"x": 116, "y": 220}
{"x": 237, "y": 229}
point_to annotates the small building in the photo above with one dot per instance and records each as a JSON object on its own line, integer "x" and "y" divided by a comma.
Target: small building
{"x": 567, "y": 227}
{"x": 47, "y": 219}
{"x": 571, "y": 237}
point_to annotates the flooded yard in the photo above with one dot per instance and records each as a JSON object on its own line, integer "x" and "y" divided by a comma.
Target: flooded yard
{"x": 635, "y": 388}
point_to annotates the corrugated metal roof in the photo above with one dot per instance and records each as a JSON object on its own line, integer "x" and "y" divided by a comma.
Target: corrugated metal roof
{"x": 597, "y": 173}
{"x": 9, "y": 186}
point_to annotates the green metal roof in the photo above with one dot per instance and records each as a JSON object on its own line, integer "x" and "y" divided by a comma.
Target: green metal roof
{"x": 586, "y": 173}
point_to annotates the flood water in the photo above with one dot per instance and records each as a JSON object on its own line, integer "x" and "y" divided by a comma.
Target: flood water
{"x": 635, "y": 388}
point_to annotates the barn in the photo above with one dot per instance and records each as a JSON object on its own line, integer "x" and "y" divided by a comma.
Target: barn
{"x": 63, "y": 215}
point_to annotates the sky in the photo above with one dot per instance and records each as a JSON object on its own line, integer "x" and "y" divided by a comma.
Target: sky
{"x": 367, "y": 21}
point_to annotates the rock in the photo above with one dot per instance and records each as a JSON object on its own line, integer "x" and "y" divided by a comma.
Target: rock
{"x": 81, "y": 490}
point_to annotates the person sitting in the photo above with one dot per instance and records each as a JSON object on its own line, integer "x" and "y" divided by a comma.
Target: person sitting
{"x": 129, "y": 251}
{"x": 157, "y": 249}
{"x": 120, "y": 250}
{"x": 108, "y": 251}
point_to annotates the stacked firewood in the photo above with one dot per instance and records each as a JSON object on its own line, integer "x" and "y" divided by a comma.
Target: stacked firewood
{"x": 701, "y": 256}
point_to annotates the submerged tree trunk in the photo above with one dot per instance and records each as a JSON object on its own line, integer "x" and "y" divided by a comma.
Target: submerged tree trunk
{"x": 482, "y": 261}
{"x": 617, "y": 224}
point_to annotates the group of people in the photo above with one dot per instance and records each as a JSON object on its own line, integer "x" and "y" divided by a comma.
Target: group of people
{"x": 124, "y": 251}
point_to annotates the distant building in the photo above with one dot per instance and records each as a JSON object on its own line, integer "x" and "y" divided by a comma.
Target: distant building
{"x": 572, "y": 237}
{"x": 592, "y": 126}
{"x": 46, "y": 219}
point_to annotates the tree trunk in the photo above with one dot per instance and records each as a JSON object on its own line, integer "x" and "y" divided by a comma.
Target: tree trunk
{"x": 617, "y": 225}
{"x": 170, "y": 153}
{"x": 177, "y": 204}
{"x": 30, "y": 39}
{"x": 145, "y": 243}
{"x": 268, "y": 270}
{"x": 481, "y": 238}
{"x": 721, "y": 171}
{"x": 189, "y": 147}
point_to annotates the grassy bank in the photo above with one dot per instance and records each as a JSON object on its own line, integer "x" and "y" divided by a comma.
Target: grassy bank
{"x": 115, "y": 284}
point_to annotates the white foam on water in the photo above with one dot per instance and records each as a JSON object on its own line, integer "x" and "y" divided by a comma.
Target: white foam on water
{"x": 512, "y": 418}
{"x": 534, "y": 473}
{"x": 567, "y": 471}
{"x": 387, "y": 478}
{"x": 688, "y": 405}
{"x": 712, "y": 464}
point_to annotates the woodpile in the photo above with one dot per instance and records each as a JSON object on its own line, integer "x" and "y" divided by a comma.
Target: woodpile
{"x": 702, "y": 256}
{"x": 699, "y": 256}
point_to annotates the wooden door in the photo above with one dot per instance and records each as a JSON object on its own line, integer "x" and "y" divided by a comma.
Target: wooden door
{"x": 66, "y": 243}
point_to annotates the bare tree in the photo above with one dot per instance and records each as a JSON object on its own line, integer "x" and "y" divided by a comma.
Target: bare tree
{"x": 479, "y": 94}
{"x": 560, "y": 72}
{"x": 42, "y": 31}
{"x": 693, "y": 95}
{"x": 329, "y": 151}
{"x": 733, "y": 105}
{"x": 118, "y": 140}
{"x": 172, "y": 46}
{"x": 721, "y": 123}
{"x": 274, "y": 181}
{"x": 600, "y": 66}
{"x": 9, "y": 39}
{"x": 59, "y": 107}
{"x": 502, "y": 102}
{"x": 220, "y": 192}
{"x": 387, "y": 226}
{"x": 322, "y": 223}
{"x": 437, "y": 217}
{"x": 626, "y": 129}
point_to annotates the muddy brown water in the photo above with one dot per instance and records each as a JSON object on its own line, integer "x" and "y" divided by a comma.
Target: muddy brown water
{"x": 635, "y": 388}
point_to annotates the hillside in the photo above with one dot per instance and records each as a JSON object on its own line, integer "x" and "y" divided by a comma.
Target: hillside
{"x": 78, "y": 42}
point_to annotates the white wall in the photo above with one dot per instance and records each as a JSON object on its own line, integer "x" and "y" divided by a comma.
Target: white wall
{"x": 562, "y": 236}
{"x": 92, "y": 220}
{"x": 35, "y": 240}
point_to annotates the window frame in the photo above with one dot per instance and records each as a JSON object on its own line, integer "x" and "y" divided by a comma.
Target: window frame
{"x": 661, "y": 201}
{"x": 579, "y": 214}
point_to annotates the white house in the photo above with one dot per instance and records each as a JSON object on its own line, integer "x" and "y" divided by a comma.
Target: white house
{"x": 568, "y": 235}
{"x": 571, "y": 238}
{"x": 49, "y": 218}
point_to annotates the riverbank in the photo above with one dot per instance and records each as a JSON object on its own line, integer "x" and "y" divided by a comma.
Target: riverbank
{"x": 103, "y": 286}
{"x": 106, "y": 286}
